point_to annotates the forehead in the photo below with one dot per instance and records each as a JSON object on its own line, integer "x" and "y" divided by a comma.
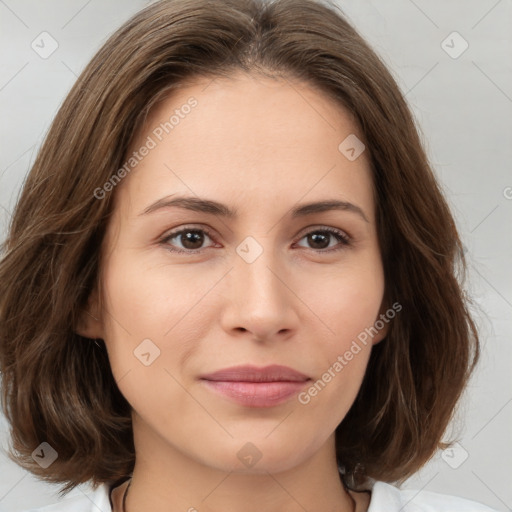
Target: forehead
{"x": 247, "y": 138}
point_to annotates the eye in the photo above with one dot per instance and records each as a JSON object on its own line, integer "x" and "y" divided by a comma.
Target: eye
{"x": 191, "y": 239}
{"x": 321, "y": 238}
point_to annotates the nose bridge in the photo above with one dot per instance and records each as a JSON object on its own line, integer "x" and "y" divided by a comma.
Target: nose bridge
{"x": 260, "y": 297}
{"x": 255, "y": 265}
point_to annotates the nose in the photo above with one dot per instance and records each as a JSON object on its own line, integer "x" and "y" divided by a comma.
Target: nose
{"x": 262, "y": 303}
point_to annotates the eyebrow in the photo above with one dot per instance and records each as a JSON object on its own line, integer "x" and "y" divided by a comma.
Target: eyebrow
{"x": 209, "y": 206}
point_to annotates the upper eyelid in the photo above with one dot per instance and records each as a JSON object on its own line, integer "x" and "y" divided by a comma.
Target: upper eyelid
{"x": 210, "y": 232}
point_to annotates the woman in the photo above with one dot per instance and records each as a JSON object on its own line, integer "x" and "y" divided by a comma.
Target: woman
{"x": 230, "y": 281}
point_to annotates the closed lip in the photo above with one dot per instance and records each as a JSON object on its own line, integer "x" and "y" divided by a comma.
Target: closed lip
{"x": 250, "y": 373}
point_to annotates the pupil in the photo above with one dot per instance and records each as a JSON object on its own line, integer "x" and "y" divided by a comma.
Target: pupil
{"x": 315, "y": 238}
{"x": 189, "y": 238}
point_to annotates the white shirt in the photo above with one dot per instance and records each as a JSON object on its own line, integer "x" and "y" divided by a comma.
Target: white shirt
{"x": 384, "y": 498}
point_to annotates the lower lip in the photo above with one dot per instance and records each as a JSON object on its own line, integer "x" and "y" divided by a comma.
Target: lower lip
{"x": 256, "y": 394}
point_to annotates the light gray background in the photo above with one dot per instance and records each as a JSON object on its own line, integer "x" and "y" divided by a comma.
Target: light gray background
{"x": 464, "y": 107}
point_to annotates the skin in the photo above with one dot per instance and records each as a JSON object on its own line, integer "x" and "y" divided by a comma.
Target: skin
{"x": 261, "y": 146}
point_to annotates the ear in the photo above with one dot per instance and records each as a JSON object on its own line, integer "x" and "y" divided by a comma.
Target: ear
{"x": 90, "y": 322}
{"x": 382, "y": 323}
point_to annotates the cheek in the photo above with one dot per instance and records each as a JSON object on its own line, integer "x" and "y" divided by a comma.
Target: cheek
{"x": 334, "y": 388}
{"x": 156, "y": 316}
{"x": 348, "y": 300}
{"x": 323, "y": 405}
{"x": 143, "y": 330}
{"x": 349, "y": 306}
{"x": 137, "y": 317}
{"x": 148, "y": 301}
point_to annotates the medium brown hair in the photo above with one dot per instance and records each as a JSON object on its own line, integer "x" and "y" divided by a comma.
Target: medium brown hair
{"x": 58, "y": 386}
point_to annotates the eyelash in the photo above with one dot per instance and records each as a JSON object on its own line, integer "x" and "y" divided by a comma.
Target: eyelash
{"x": 344, "y": 239}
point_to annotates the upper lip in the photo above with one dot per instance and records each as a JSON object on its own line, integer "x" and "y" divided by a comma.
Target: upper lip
{"x": 250, "y": 373}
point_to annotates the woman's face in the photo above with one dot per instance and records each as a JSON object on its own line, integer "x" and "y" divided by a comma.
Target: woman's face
{"x": 190, "y": 290}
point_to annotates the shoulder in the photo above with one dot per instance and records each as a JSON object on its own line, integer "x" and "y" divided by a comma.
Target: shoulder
{"x": 388, "y": 498}
{"x": 98, "y": 499}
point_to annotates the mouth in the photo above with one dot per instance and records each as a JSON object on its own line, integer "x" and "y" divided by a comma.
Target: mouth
{"x": 251, "y": 386}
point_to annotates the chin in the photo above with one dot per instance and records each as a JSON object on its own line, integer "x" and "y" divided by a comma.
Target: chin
{"x": 257, "y": 456}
